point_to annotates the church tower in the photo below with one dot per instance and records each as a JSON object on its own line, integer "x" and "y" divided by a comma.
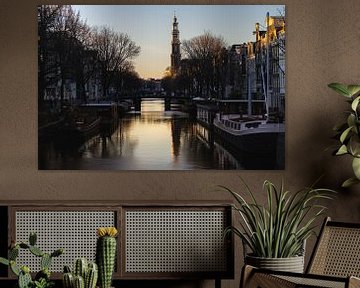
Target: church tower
{"x": 175, "y": 48}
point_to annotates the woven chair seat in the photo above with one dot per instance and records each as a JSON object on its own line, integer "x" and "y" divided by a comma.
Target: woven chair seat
{"x": 335, "y": 262}
{"x": 314, "y": 282}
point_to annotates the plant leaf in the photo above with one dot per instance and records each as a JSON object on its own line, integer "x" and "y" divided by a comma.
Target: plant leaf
{"x": 345, "y": 134}
{"x": 340, "y": 89}
{"x": 342, "y": 150}
{"x": 354, "y": 145}
{"x": 353, "y": 90}
{"x": 4, "y": 261}
{"x": 279, "y": 228}
{"x": 14, "y": 268}
{"x": 356, "y": 167}
{"x": 340, "y": 127}
{"x": 355, "y": 103}
{"x": 351, "y": 120}
{"x": 349, "y": 182}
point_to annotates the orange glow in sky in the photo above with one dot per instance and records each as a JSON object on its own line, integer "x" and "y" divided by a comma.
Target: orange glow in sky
{"x": 150, "y": 26}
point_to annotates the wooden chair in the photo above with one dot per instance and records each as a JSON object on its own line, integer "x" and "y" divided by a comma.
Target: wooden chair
{"x": 334, "y": 263}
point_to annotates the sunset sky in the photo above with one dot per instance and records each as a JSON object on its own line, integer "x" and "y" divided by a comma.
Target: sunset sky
{"x": 149, "y": 26}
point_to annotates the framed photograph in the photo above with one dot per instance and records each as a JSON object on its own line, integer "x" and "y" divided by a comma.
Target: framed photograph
{"x": 161, "y": 87}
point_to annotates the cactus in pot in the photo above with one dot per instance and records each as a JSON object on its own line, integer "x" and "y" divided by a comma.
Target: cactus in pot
{"x": 85, "y": 275}
{"x": 79, "y": 282}
{"x": 68, "y": 278}
{"x": 106, "y": 254}
{"x": 91, "y": 276}
{"x": 80, "y": 268}
{"x": 42, "y": 278}
{"x": 25, "y": 279}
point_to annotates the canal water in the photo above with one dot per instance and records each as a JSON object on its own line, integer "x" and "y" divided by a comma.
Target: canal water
{"x": 151, "y": 140}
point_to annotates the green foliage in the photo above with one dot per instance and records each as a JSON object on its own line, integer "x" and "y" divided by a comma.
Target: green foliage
{"x": 4, "y": 261}
{"x": 79, "y": 282}
{"x": 279, "y": 229}
{"x": 80, "y": 267}
{"x": 348, "y": 132}
{"x": 36, "y": 251}
{"x": 85, "y": 275}
{"x": 14, "y": 268}
{"x": 45, "y": 261}
{"x": 24, "y": 246}
{"x": 91, "y": 276}
{"x": 32, "y": 239}
{"x": 57, "y": 252}
{"x": 67, "y": 269}
{"x": 13, "y": 253}
{"x": 24, "y": 279}
{"x": 42, "y": 283}
{"x": 44, "y": 273}
{"x": 42, "y": 278}
{"x": 105, "y": 259}
{"x": 68, "y": 280}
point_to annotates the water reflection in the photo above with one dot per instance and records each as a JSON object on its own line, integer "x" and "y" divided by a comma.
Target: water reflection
{"x": 151, "y": 140}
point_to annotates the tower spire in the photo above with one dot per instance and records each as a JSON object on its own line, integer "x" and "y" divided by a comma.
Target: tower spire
{"x": 175, "y": 47}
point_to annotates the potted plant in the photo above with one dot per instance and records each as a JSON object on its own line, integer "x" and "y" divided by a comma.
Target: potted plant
{"x": 84, "y": 274}
{"x": 42, "y": 278}
{"x": 276, "y": 233}
{"x": 106, "y": 254}
{"x": 348, "y": 133}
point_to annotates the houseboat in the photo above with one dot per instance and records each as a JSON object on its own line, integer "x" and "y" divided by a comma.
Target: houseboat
{"x": 250, "y": 136}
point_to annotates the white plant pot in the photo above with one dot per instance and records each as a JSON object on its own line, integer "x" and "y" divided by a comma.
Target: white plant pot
{"x": 291, "y": 264}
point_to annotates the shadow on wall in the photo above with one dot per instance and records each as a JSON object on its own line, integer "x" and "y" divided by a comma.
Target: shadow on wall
{"x": 313, "y": 159}
{"x": 333, "y": 169}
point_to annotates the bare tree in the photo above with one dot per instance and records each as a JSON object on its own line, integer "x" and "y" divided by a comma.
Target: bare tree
{"x": 70, "y": 36}
{"x": 47, "y": 15}
{"x": 131, "y": 81}
{"x": 206, "y": 52}
{"x": 126, "y": 81}
{"x": 83, "y": 56}
{"x": 65, "y": 49}
{"x": 115, "y": 51}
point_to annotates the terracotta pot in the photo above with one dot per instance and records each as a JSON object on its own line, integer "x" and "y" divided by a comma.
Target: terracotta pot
{"x": 291, "y": 264}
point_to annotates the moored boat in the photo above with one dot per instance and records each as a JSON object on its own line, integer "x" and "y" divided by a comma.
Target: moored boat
{"x": 48, "y": 130}
{"x": 255, "y": 136}
{"x": 205, "y": 114}
{"x": 107, "y": 111}
{"x": 78, "y": 131}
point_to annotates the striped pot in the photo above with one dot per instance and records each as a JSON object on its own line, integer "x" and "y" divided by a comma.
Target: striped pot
{"x": 291, "y": 264}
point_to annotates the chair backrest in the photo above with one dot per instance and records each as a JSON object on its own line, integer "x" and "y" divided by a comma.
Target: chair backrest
{"x": 337, "y": 251}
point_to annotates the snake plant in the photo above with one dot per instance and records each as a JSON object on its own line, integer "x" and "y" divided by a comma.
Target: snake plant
{"x": 348, "y": 133}
{"x": 279, "y": 228}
